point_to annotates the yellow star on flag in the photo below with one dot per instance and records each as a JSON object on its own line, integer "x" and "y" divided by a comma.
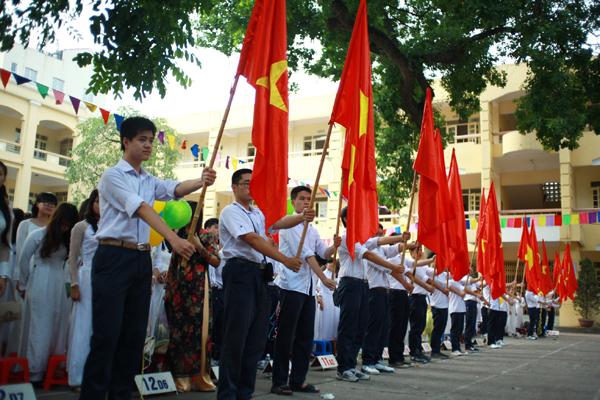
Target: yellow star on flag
{"x": 270, "y": 82}
{"x": 482, "y": 245}
{"x": 364, "y": 120}
{"x": 529, "y": 257}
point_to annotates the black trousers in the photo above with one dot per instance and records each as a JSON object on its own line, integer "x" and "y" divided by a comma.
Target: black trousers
{"x": 121, "y": 280}
{"x": 270, "y": 346}
{"x": 502, "y": 327}
{"x": 551, "y": 315}
{"x": 295, "y": 332}
{"x": 378, "y": 327}
{"x": 218, "y": 309}
{"x": 440, "y": 319}
{"x": 245, "y": 324}
{"x": 471, "y": 322}
{"x": 354, "y": 310}
{"x": 494, "y": 323}
{"x": 399, "y": 314}
{"x": 484, "y": 320}
{"x": 457, "y": 329}
{"x": 542, "y": 329}
{"x": 418, "y": 320}
{"x": 534, "y": 315}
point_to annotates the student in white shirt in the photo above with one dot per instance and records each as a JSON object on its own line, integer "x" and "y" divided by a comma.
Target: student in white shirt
{"x": 296, "y": 321}
{"x": 216, "y": 282}
{"x": 439, "y": 311}
{"x": 353, "y": 296}
{"x": 458, "y": 312}
{"x": 533, "y": 311}
{"x": 122, "y": 265}
{"x": 471, "y": 299}
{"x": 246, "y": 274}
{"x": 554, "y": 305}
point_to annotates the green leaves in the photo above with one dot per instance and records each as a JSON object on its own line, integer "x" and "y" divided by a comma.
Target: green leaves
{"x": 100, "y": 149}
{"x": 587, "y": 297}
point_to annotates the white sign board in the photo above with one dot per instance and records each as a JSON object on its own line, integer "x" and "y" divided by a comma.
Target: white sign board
{"x": 479, "y": 342}
{"x": 327, "y": 361}
{"x": 23, "y": 391}
{"x": 160, "y": 382}
{"x": 406, "y": 351}
{"x": 426, "y": 347}
{"x": 214, "y": 373}
{"x": 552, "y": 333}
{"x": 447, "y": 345}
{"x": 386, "y": 353}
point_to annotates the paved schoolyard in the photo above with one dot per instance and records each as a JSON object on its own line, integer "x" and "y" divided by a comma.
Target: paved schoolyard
{"x": 567, "y": 367}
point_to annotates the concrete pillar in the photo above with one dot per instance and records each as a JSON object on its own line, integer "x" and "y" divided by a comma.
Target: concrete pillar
{"x": 28, "y": 132}
{"x": 567, "y": 187}
{"x": 487, "y": 142}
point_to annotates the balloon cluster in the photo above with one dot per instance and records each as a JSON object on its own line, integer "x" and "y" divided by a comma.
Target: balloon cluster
{"x": 176, "y": 215}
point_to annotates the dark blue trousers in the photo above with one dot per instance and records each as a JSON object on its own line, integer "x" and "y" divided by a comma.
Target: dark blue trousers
{"x": 484, "y": 320}
{"x": 354, "y": 310}
{"x": 494, "y": 323}
{"x": 418, "y": 320}
{"x": 217, "y": 333}
{"x": 456, "y": 331}
{"x": 270, "y": 346}
{"x": 534, "y": 315}
{"x": 378, "y": 327}
{"x": 471, "y": 322}
{"x": 295, "y": 332}
{"x": 245, "y": 325}
{"x": 502, "y": 326}
{"x": 399, "y": 313}
{"x": 440, "y": 319}
{"x": 121, "y": 280}
{"x": 551, "y": 315}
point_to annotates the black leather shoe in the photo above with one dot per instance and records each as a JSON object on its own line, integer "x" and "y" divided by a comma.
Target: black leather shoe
{"x": 435, "y": 354}
{"x": 418, "y": 359}
{"x": 399, "y": 364}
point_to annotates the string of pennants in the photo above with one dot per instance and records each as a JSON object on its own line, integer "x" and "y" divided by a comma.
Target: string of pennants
{"x": 552, "y": 220}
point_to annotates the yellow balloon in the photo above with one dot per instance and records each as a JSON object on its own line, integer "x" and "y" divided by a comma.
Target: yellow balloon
{"x": 155, "y": 238}
{"x": 158, "y": 206}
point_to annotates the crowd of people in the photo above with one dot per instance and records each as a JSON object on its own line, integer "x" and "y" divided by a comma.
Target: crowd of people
{"x": 91, "y": 287}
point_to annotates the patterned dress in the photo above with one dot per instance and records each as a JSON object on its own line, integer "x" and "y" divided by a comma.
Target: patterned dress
{"x": 184, "y": 303}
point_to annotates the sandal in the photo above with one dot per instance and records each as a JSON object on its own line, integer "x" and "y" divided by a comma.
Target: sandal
{"x": 306, "y": 389}
{"x": 282, "y": 390}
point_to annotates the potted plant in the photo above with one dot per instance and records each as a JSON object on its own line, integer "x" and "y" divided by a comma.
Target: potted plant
{"x": 587, "y": 296}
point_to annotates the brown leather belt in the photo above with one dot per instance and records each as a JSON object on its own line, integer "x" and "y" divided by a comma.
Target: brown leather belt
{"x": 125, "y": 244}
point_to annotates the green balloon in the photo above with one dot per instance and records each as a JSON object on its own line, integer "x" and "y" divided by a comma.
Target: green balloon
{"x": 290, "y": 208}
{"x": 177, "y": 214}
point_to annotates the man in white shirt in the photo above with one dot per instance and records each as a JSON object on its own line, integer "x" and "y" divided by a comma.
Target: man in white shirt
{"x": 471, "y": 299}
{"x": 458, "y": 311}
{"x": 554, "y": 305}
{"x": 122, "y": 266}
{"x": 246, "y": 273}
{"x": 379, "y": 309}
{"x": 533, "y": 311}
{"x": 296, "y": 323}
{"x": 439, "y": 312}
{"x": 354, "y": 301}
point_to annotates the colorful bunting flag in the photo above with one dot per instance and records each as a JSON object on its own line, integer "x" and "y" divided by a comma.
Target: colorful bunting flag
{"x": 120, "y": 118}
{"x": 583, "y": 218}
{"x": 217, "y": 159}
{"x": 104, "y": 113}
{"x": 90, "y": 106}
{"x": 75, "y": 102}
{"x": 184, "y": 145}
{"x": 161, "y": 134}
{"x": 205, "y": 151}
{"x": 234, "y": 162}
{"x": 60, "y": 97}
{"x": 194, "y": 150}
{"x": 20, "y": 79}
{"x": 566, "y": 219}
{"x": 5, "y": 76}
{"x": 171, "y": 141}
{"x": 42, "y": 89}
{"x": 227, "y": 162}
{"x": 574, "y": 219}
{"x": 592, "y": 218}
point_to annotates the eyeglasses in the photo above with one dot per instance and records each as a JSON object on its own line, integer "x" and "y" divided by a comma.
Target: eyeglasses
{"x": 66, "y": 227}
{"x": 49, "y": 204}
{"x": 244, "y": 184}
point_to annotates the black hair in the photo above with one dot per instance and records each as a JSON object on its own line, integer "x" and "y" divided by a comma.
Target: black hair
{"x": 394, "y": 234}
{"x": 44, "y": 196}
{"x": 134, "y": 125}
{"x": 237, "y": 175}
{"x": 66, "y": 214}
{"x": 181, "y": 233}
{"x": 299, "y": 189}
{"x": 329, "y": 260}
{"x": 90, "y": 215}
{"x": 211, "y": 222}
{"x": 4, "y": 237}
{"x": 380, "y": 226}
{"x": 83, "y": 209}
{"x": 321, "y": 261}
{"x": 19, "y": 217}
{"x": 344, "y": 215}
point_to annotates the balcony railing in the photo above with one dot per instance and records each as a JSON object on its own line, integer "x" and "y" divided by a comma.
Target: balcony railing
{"x": 11, "y": 147}
{"x": 248, "y": 160}
{"x": 474, "y": 138}
{"x": 53, "y": 158}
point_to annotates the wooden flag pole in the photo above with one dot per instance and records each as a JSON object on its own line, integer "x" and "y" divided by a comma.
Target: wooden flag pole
{"x": 203, "y": 381}
{"x": 337, "y": 225}
{"x": 315, "y": 188}
{"x": 410, "y": 208}
{"x": 471, "y": 263}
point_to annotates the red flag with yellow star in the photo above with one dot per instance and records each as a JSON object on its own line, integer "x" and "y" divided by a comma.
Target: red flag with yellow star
{"x": 263, "y": 61}
{"x": 460, "y": 264}
{"x": 491, "y": 247}
{"x": 569, "y": 278}
{"x": 534, "y": 279}
{"x": 546, "y": 282}
{"x": 353, "y": 109}
{"x": 526, "y": 254}
{"x": 558, "y": 278}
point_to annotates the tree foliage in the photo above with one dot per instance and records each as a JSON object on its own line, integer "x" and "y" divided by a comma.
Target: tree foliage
{"x": 140, "y": 39}
{"x": 587, "y": 297}
{"x": 460, "y": 41}
{"x": 100, "y": 149}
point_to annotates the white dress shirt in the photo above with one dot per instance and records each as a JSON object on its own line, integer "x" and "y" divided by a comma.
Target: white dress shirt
{"x": 122, "y": 191}
{"x": 531, "y": 299}
{"x": 216, "y": 273}
{"x": 421, "y": 274}
{"x": 376, "y": 274}
{"x": 236, "y": 221}
{"x": 439, "y": 299}
{"x": 289, "y": 241}
{"x": 473, "y": 287}
{"x": 354, "y": 268}
{"x": 394, "y": 284}
{"x": 457, "y": 304}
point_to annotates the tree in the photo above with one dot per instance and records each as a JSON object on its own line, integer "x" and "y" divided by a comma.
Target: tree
{"x": 587, "y": 296}
{"x": 100, "y": 148}
{"x": 141, "y": 40}
{"x": 460, "y": 41}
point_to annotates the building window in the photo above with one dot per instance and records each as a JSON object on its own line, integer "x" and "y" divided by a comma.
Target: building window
{"x": 14, "y": 148}
{"x": 595, "y": 194}
{"x": 32, "y": 197}
{"x": 61, "y": 197}
{"x": 14, "y": 67}
{"x": 551, "y": 192}
{"x": 66, "y": 147}
{"x": 314, "y": 143}
{"x": 471, "y": 199}
{"x": 89, "y": 97}
{"x": 41, "y": 142}
{"x": 321, "y": 207}
{"x": 251, "y": 152}
{"x": 459, "y": 128}
{"x": 31, "y": 74}
{"x": 58, "y": 84}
